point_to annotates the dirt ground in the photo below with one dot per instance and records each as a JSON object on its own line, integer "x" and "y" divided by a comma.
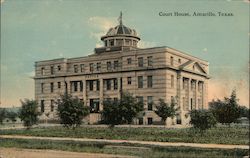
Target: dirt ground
{"x": 34, "y": 153}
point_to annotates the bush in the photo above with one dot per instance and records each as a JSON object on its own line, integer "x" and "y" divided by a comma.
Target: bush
{"x": 202, "y": 120}
{"x": 244, "y": 112}
{"x": 71, "y": 111}
{"x": 12, "y": 115}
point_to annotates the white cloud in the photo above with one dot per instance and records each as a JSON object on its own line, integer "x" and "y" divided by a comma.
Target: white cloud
{"x": 100, "y": 27}
{"x": 102, "y": 23}
{"x": 146, "y": 44}
{"x": 61, "y": 55}
{"x": 246, "y": 1}
{"x": 30, "y": 74}
{"x": 204, "y": 50}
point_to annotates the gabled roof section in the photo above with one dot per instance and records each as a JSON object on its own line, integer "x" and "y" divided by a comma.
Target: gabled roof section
{"x": 190, "y": 64}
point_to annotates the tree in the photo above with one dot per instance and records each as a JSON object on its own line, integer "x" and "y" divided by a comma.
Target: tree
{"x": 164, "y": 110}
{"x": 111, "y": 113}
{"x": 130, "y": 107}
{"x": 71, "y": 111}
{"x": 2, "y": 115}
{"x": 202, "y": 119}
{"x": 227, "y": 111}
{"x": 29, "y": 113}
{"x": 121, "y": 111}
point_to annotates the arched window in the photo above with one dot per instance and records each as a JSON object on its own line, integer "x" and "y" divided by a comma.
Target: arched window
{"x": 172, "y": 61}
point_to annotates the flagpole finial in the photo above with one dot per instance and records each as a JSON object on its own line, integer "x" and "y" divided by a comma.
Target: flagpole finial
{"x": 120, "y": 18}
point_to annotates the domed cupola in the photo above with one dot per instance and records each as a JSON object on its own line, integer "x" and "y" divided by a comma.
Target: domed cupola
{"x": 120, "y": 37}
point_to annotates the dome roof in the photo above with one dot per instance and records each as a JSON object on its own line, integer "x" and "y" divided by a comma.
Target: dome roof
{"x": 121, "y": 30}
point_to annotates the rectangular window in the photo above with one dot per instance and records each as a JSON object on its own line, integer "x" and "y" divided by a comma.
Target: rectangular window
{"x": 115, "y": 84}
{"x": 42, "y": 106}
{"x": 172, "y": 81}
{"x": 134, "y": 43}
{"x": 172, "y": 100}
{"x": 98, "y": 66}
{"x": 51, "y": 105}
{"x": 150, "y": 120}
{"x": 129, "y": 80}
{"x": 59, "y": 68}
{"x": 178, "y": 119}
{"x": 140, "y": 61}
{"x": 81, "y": 86}
{"x": 42, "y": 87}
{"x": 51, "y": 87}
{"x": 58, "y": 102}
{"x": 51, "y": 70}
{"x": 58, "y": 85}
{"x": 94, "y": 105}
{"x": 150, "y": 61}
{"x": 97, "y": 85}
{"x": 115, "y": 64}
{"x": 119, "y": 42}
{"x": 108, "y": 84}
{"x": 82, "y": 67}
{"x": 91, "y": 67}
{"x": 109, "y": 65}
{"x": 129, "y": 60}
{"x": 150, "y": 103}
{"x": 42, "y": 70}
{"x": 75, "y": 86}
{"x": 127, "y": 42}
{"x": 191, "y": 103}
{"x": 111, "y": 42}
{"x": 139, "y": 99}
{"x": 140, "y": 82}
{"x": 75, "y": 68}
{"x": 150, "y": 81}
{"x": 140, "y": 120}
{"x": 91, "y": 85}
{"x": 183, "y": 83}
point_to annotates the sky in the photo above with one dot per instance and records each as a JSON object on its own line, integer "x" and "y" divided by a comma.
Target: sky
{"x": 34, "y": 30}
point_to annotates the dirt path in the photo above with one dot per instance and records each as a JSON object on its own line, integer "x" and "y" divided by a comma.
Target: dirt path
{"x": 31, "y": 153}
{"x": 221, "y": 146}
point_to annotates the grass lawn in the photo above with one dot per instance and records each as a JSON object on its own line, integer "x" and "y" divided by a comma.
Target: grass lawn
{"x": 123, "y": 149}
{"x": 219, "y": 135}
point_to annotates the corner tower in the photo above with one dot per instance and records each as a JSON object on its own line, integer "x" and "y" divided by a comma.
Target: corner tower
{"x": 118, "y": 38}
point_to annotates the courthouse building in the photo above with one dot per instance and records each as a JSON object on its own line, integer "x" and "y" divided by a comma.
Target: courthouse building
{"x": 120, "y": 66}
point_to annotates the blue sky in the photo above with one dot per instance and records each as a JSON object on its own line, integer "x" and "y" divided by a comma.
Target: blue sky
{"x": 33, "y": 30}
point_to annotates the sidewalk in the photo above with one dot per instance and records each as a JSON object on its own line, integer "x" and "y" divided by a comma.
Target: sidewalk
{"x": 163, "y": 144}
